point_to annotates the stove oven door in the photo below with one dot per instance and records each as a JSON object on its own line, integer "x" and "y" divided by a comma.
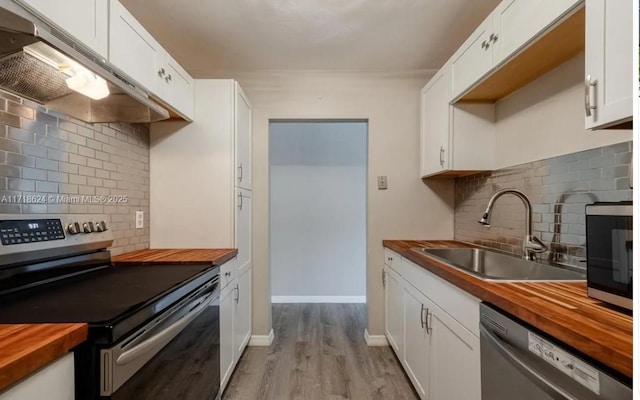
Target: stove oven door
{"x": 176, "y": 356}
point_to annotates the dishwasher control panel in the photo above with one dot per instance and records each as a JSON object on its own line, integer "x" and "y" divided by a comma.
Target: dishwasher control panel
{"x": 578, "y": 370}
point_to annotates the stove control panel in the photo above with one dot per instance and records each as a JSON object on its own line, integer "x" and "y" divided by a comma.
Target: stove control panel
{"x": 30, "y": 230}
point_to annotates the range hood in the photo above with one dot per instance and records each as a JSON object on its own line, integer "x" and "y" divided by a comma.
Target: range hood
{"x": 42, "y": 64}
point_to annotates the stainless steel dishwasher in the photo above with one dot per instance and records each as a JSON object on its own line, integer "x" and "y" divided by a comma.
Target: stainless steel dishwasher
{"x": 520, "y": 363}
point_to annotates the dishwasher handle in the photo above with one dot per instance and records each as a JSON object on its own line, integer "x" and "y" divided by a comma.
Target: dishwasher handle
{"x": 540, "y": 380}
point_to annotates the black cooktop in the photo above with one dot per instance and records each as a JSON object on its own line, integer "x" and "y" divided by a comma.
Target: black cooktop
{"x": 115, "y": 299}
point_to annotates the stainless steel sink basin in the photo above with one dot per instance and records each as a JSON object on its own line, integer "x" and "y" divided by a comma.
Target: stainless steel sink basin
{"x": 492, "y": 265}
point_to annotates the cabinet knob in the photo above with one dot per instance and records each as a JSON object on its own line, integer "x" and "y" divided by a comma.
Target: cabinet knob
{"x": 493, "y": 37}
{"x": 161, "y": 72}
{"x": 484, "y": 44}
{"x": 168, "y": 78}
{"x": 227, "y": 274}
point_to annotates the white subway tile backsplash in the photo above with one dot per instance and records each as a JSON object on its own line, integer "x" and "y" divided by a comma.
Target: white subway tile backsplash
{"x": 45, "y": 152}
{"x": 558, "y": 188}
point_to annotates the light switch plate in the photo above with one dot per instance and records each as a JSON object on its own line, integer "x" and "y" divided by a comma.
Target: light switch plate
{"x": 139, "y": 219}
{"x": 382, "y": 183}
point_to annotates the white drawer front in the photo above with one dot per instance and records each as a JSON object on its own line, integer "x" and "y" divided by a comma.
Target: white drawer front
{"x": 392, "y": 259}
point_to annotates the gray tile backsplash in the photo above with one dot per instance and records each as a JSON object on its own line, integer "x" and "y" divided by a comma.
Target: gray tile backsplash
{"x": 558, "y": 189}
{"x": 74, "y": 167}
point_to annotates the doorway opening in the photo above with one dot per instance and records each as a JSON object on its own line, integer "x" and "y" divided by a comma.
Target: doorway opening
{"x": 318, "y": 210}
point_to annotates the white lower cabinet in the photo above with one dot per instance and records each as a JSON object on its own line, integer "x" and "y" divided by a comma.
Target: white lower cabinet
{"x": 227, "y": 300}
{"x": 393, "y": 310}
{"x": 53, "y": 382}
{"x": 416, "y": 340}
{"x": 235, "y": 317}
{"x": 440, "y": 354}
{"x": 454, "y": 357}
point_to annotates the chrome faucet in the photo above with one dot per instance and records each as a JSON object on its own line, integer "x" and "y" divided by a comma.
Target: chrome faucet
{"x": 530, "y": 244}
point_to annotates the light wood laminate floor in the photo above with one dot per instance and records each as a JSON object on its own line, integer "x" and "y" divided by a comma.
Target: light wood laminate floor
{"x": 319, "y": 353}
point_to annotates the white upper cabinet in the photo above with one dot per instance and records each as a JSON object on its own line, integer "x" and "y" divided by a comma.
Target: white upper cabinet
{"x": 473, "y": 59}
{"x": 518, "y": 22}
{"x": 454, "y": 139}
{"x": 434, "y": 124}
{"x": 608, "y": 62}
{"x": 133, "y": 50}
{"x": 85, "y": 20}
{"x": 177, "y": 88}
{"x": 511, "y": 27}
{"x": 242, "y": 138}
{"x": 137, "y": 54}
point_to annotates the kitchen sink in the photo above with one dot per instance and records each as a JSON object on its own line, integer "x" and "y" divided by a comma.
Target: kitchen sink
{"x": 495, "y": 266}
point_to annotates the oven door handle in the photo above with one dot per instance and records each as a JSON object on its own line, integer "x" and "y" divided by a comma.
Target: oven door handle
{"x": 541, "y": 381}
{"x": 162, "y": 336}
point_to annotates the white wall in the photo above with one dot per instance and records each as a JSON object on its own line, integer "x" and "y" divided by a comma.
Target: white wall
{"x": 546, "y": 119}
{"x": 408, "y": 209}
{"x": 317, "y": 174}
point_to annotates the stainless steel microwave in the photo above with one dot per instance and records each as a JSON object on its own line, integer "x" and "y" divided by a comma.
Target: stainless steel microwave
{"x": 610, "y": 252}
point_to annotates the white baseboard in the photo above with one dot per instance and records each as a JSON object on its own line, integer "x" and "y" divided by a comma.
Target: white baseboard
{"x": 318, "y": 299}
{"x": 375, "y": 340}
{"x": 262, "y": 340}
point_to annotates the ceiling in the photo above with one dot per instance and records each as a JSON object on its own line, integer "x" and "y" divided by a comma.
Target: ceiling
{"x": 212, "y": 36}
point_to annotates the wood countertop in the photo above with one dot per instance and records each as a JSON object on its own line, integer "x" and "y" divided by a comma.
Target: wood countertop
{"x": 25, "y": 348}
{"x": 562, "y": 310}
{"x": 175, "y": 256}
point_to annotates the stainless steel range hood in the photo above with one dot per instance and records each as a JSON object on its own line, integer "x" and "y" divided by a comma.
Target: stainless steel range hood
{"x": 38, "y": 62}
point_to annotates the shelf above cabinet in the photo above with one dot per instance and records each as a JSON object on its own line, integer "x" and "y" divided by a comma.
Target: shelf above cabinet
{"x": 560, "y": 43}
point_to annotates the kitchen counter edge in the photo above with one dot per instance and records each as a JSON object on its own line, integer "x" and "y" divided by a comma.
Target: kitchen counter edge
{"x": 25, "y": 348}
{"x": 559, "y": 309}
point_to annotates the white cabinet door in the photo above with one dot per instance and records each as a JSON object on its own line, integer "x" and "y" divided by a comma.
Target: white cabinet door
{"x": 473, "y": 59}
{"x": 434, "y": 125}
{"x": 517, "y": 22}
{"x": 242, "y": 332}
{"x": 227, "y": 329}
{"x": 416, "y": 340}
{"x": 177, "y": 86}
{"x": 53, "y": 382}
{"x": 243, "y": 139}
{"x": 454, "y": 358}
{"x": 133, "y": 50}
{"x": 394, "y": 311}
{"x": 608, "y": 62}
{"x": 85, "y": 20}
{"x": 243, "y": 229}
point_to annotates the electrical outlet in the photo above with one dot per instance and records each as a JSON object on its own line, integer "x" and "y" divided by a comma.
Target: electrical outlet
{"x": 382, "y": 183}
{"x": 139, "y": 219}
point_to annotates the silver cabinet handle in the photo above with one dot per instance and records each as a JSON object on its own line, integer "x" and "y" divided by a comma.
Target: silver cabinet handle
{"x": 240, "y": 172}
{"x": 237, "y": 289}
{"x": 427, "y": 322}
{"x": 384, "y": 279}
{"x": 390, "y": 259}
{"x": 423, "y": 319}
{"x": 161, "y": 71}
{"x": 484, "y": 44}
{"x": 493, "y": 37}
{"x": 168, "y": 78}
{"x": 587, "y": 95}
{"x": 227, "y": 274}
{"x": 240, "y": 201}
{"x": 441, "y": 156}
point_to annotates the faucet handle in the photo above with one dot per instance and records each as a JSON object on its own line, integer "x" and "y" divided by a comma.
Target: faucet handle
{"x": 534, "y": 245}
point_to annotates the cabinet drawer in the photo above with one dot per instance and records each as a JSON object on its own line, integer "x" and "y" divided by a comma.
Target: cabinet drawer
{"x": 392, "y": 259}
{"x": 462, "y": 306}
{"x": 228, "y": 272}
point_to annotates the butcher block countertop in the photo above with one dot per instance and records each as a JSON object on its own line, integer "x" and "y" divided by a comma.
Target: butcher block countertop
{"x": 175, "y": 256}
{"x": 26, "y": 348}
{"x": 562, "y": 310}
